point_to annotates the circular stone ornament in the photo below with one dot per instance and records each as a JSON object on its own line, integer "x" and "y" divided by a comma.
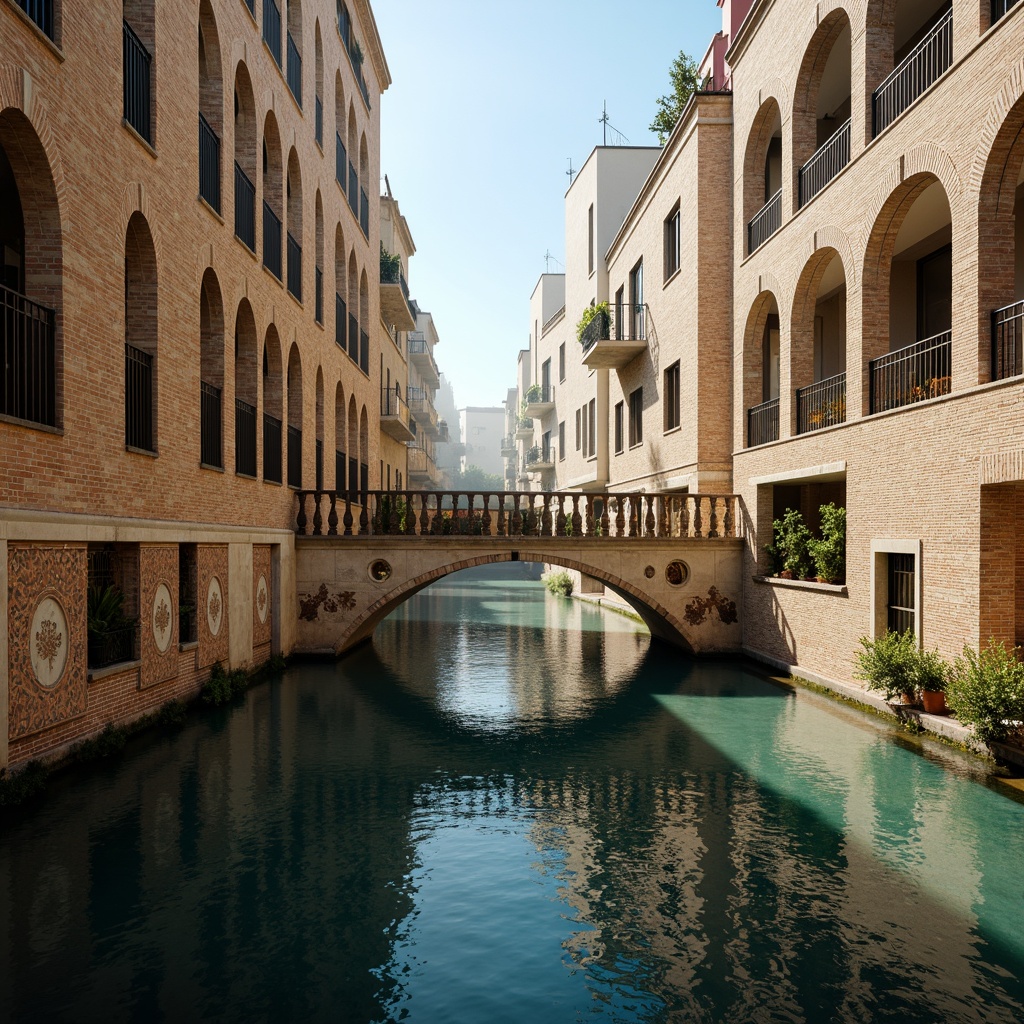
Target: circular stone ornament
{"x": 677, "y": 573}
{"x": 163, "y": 618}
{"x": 380, "y": 570}
{"x": 262, "y": 599}
{"x": 48, "y": 641}
{"x": 214, "y": 606}
{"x": 649, "y": 572}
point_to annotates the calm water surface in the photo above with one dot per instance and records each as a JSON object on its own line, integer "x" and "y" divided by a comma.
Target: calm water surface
{"x": 512, "y": 808}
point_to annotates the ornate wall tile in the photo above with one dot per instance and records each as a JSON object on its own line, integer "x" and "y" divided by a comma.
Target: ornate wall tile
{"x": 158, "y": 570}
{"x": 262, "y": 612}
{"x": 213, "y": 604}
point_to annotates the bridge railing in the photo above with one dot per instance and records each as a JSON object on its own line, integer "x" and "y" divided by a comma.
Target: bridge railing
{"x": 515, "y": 514}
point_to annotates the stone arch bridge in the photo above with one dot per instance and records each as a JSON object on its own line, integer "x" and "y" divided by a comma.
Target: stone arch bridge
{"x": 675, "y": 558}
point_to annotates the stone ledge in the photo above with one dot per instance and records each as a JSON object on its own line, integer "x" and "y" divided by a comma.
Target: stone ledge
{"x": 95, "y": 675}
{"x": 778, "y": 581}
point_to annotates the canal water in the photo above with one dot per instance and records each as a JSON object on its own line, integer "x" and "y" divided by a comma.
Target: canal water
{"x": 514, "y": 808}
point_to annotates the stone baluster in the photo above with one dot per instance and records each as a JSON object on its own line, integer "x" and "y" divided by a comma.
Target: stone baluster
{"x": 560, "y": 517}
{"x": 364, "y": 514}
{"x": 394, "y": 518}
{"x": 730, "y": 520}
{"x": 300, "y": 522}
{"x": 348, "y": 514}
{"x": 634, "y": 514}
{"x": 590, "y": 515}
{"x": 376, "y": 525}
{"x": 684, "y": 516}
{"x": 697, "y": 524}
{"x": 332, "y": 516}
{"x": 713, "y": 516}
{"x": 469, "y": 524}
{"x": 649, "y": 521}
{"x": 318, "y": 519}
{"x": 664, "y": 516}
{"x": 620, "y": 516}
{"x": 410, "y": 515}
{"x": 605, "y": 521}
{"x": 577, "y": 519}
{"x": 545, "y": 516}
{"x": 486, "y": 518}
{"x": 517, "y": 519}
{"x": 502, "y": 498}
{"x": 435, "y": 519}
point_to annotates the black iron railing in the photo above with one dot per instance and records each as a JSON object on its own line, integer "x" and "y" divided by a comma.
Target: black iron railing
{"x": 210, "y": 425}
{"x": 319, "y": 465}
{"x": 629, "y": 321}
{"x": 822, "y": 404}
{"x": 294, "y": 457}
{"x": 272, "y": 29}
{"x": 599, "y": 329}
{"x": 364, "y": 212}
{"x": 28, "y": 370}
{"x": 999, "y": 8}
{"x": 353, "y": 337}
{"x": 245, "y": 209}
{"x": 138, "y": 398}
{"x": 392, "y": 404}
{"x": 340, "y": 321}
{"x": 318, "y": 297}
{"x": 540, "y": 456}
{"x": 339, "y": 470}
{"x": 364, "y": 352}
{"x": 271, "y": 241}
{"x": 137, "y": 83}
{"x": 826, "y": 163}
{"x": 765, "y": 223}
{"x": 912, "y": 374}
{"x": 245, "y": 438}
{"x": 353, "y": 189}
{"x": 318, "y": 123}
{"x": 357, "y": 70}
{"x": 111, "y": 646}
{"x": 340, "y": 160}
{"x": 294, "y": 72}
{"x": 294, "y": 267}
{"x": 539, "y": 394}
{"x": 763, "y": 423}
{"x": 914, "y": 74}
{"x": 209, "y": 164}
{"x": 271, "y": 448}
{"x": 1008, "y": 341}
{"x": 41, "y": 12}
{"x": 353, "y": 476}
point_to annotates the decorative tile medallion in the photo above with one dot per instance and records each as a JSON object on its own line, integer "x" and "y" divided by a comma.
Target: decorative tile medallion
{"x": 213, "y": 593}
{"x": 214, "y": 606}
{"x": 163, "y": 618}
{"x": 50, "y": 641}
{"x": 262, "y": 598}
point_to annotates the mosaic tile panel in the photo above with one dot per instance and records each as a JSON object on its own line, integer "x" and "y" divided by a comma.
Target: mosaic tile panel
{"x": 158, "y": 613}
{"x": 262, "y": 601}
{"x": 212, "y": 613}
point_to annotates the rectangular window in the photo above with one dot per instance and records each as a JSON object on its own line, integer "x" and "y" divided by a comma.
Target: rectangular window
{"x": 638, "y": 318}
{"x": 618, "y": 428}
{"x": 545, "y": 378}
{"x": 621, "y": 314}
{"x": 590, "y": 239}
{"x": 579, "y": 439}
{"x": 585, "y": 432}
{"x": 636, "y": 418}
{"x": 901, "y": 587}
{"x": 561, "y": 362}
{"x": 592, "y": 428}
{"x": 671, "y": 399}
{"x": 672, "y": 242}
{"x": 561, "y": 441}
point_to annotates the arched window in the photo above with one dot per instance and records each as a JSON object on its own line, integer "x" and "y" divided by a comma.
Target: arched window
{"x": 211, "y": 371}
{"x": 340, "y": 439}
{"x": 364, "y": 177}
{"x": 353, "y": 177}
{"x": 340, "y": 291}
{"x": 246, "y": 391}
{"x": 318, "y": 282}
{"x": 272, "y": 204}
{"x": 353, "y": 307}
{"x": 211, "y": 107}
{"x": 273, "y": 406}
{"x": 319, "y": 461}
{"x": 364, "y": 325}
{"x": 340, "y": 151}
{"x": 140, "y": 336}
{"x": 139, "y": 54}
{"x": 294, "y": 190}
{"x": 318, "y": 128}
{"x": 353, "y": 448}
{"x": 364, "y": 453}
{"x": 245, "y": 159}
{"x": 294, "y": 417}
{"x": 761, "y": 346}
{"x": 293, "y": 67}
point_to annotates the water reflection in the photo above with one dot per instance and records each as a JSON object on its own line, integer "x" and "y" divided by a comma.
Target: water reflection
{"x": 479, "y": 818}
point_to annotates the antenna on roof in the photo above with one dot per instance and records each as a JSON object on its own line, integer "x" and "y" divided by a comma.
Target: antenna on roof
{"x": 618, "y": 139}
{"x": 547, "y": 262}
{"x": 570, "y": 172}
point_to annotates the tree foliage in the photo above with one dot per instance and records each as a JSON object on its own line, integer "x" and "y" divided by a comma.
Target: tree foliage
{"x": 473, "y": 478}
{"x": 683, "y": 82}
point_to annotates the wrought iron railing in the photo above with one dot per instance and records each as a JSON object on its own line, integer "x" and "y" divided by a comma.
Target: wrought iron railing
{"x": 540, "y": 456}
{"x": 822, "y": 404}
{"x": 318, "y": 295}
{"x": 272, "y": 29}
{"x": 294, "y": 73}
{"x": 271, "y": 449}
{"x": 209, "y": 164}
{"x": 245, "y": 438}
{"x": 599, "y": 329}
{"x": 41, "y": 12}
{"x": 763, "y": 423}
{"x": 765, "y": 223}
{"x": 593, "y": 517}
{"x": 137, "y": 83}
{"x": 419, "y": 461}
{"x": 1001, "y": 7}
{"x": 831, "y": 157}
{"x": 294, "y": 456}
{"x": 1008, "y": 341}
{"x": 245, "y": 209}
{"x": 353, "y": 190}
{"x": 912, "y": 374}
{"x": 271, "y": 241}
{"x": 539, "y": 394}
{"x": 419, "y": 347}
{"x": 318, "y": 464}
{"x": 340, "y": 160}
{"x": 28, "y": 369}
{"x": 353, "y": 337}
{"x": 138, "y": 398}
{"x": 629, "y": 321}
{"x": 318, "y": 123}
{"x": 210, "y": 426}
{"x": 914, "y": 74}
{"x": 364, "y": 212}
{"x": 339, "y": 470}
{"x": 340, "y": 322}
{"x": 508, "y": 444}
{"x": 294, "y": 267}
{"x": 364, "y": 352}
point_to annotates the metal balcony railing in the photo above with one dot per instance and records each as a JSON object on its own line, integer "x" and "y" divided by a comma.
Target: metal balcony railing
{"x": 210, "y": 425}
{"x": 272, "y": 29}
{"x": 599, "y": 329}
{"x": 364, "y": 352}
{"x": 41, "y": 12}
{"x": 353, "y": 190}
{"x": 419, "y": 460}
{"x": 914, "y": 74}
{"x": 209, "y": 164}
{"x": 294, "y": 267}
{"x": 822, "y": 404}
{"x": 294, "y": 73}
{"x": 271, "y": 449}
{"x": 353, "y": 337}
{"x": 111, "y": 646}
{"x": 318, "y": 123}
{"x": 294, "y": 457}
{"x": 539, "y": 455}
{"x": 318, "y": 465}
{"x": 245, "y": 209}
{"x": 245, "y": 438}
{"x": 392, "y": 404}
{"x": 137, "y": 83}
{"x": 340, "y": 160}
{"x": 340, "y": 322}
{"x": 629, "y": 321}
{"x": 339, "y": 470}
{"x": 826, "y": 163}
{"x": 28, "y": 377}
{"x": 364, "y": 212}
{"x": 764, "y": 223}
{"x": 318, "y": 296}
{"x": 1008, "y": 341}
{"x": 763, "y": 423}
{"x": 271, "y": 241}
{"x": 912, "y": 374}
{"x": 539, "y": 394}
{"x": 138, "y": 398}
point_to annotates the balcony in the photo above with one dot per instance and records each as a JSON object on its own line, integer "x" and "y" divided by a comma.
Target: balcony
{"x": 394, "y": 293}
{"x": 423, "y": 359}
{"x": 539, "y": 401}
{"x": 917, "y": 72}
{"x": 209, "y": 164}
{"x": 764, "y": 223}
{"x": 830, "y": 159}
{"x": 912, "y": 374}
{"x": 508, "y": 446}
{"x": 524, "y": 429}
{"x": 394, "y": 416}
{"x": 615, "y": 337}
{"x": 28, "y": 377}
{"x": 442, "y": 432}
{"x": 821, "y": 405}
{"x": 422, "y": 409}
{"x": 420, "y": 466}
{"x": 245, "y": 209}
{"x": 763, "y": 423}
{"x": 1008, "y": 341}
{"x": 138, "y": 79}
{"x": 539, "y": 458}
{"x": 271, "y": 241}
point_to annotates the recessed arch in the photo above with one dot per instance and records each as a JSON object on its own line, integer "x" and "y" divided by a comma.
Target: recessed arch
{"x": 340, "y": 438}
{"x": 273, "y": 196}
{"x": 319, "y": 413}
{"x": 273, "y": 406}
{"x": 318, "y": 217}
{"x": 293, "y": 64}
{"x": 295, "y": 417}
{"x": 762, "y": 174}
{"x": 246, "y": 378}
{"x": 761, "y": 366}
{"x": 211, "y": 370}
{"x": 353, "y": 445}
{"x": 364, "y": 451}
{"x": 141, "y": 331}
{"x": 293, "y": 190}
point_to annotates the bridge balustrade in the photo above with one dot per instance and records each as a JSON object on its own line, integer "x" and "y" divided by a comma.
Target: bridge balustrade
{"x": 514, "y": 514}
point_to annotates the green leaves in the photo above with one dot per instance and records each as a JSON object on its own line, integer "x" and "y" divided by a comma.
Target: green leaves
{"x": 986, "y": 690}
{"x": 683, "y": 83}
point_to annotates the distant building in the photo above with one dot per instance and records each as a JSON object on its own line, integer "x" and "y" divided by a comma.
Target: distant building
{"x": 482, "y": 431}
{"x": 448, "y": 454}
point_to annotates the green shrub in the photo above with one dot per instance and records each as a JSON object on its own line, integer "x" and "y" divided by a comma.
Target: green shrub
{"x": 598, "y": 312}
{"x": 223, "y": 686}
{"x": 829, "y": 553}
{"x": 986, "y": 690}
{"x": 890, "y": 664}
{"x": 559, "y": 583}
{"x": 792, "y": 541}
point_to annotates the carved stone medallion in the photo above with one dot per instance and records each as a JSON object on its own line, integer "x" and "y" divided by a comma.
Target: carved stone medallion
{"x": 262, "y": 598}
{"x": 214, "y": 606}
{"x": 49, "y": 641}
{"x": 163, "y": 618}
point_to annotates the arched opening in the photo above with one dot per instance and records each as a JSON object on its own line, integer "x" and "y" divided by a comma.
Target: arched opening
{"x": 294, "y": 196}
{"x": 245, "y": 159}
{"x": 364, "y": 178}
{"x": 273, "y": 179}
{"x": 139, "y": 61}
{"x": 364, "y": 453}
{"x": 140, "y": 336}
{"x": 818, "y": 343}
{"x": 353, "y": 448}
{"x": 761, "y": 347}
{"x": 211, "y": 371}
{"x": 293, "y": 64}
{"x": 821, "y": 109}
{"x": 340, "y": 290}
{"x": 319, "y": 456}
{"x": 762, "y": 176}
{"x": 318, "y": 275}
{"x": 31, "y": 285}
{"x": 340, "y": 152}
{"x": 364, "y": 325}
{"x": 211, "y": 106}
{"x": 294, "y": 417}
{"x": 353, "y": 307}
{"x": 352, "y": 188}
{"x": 246, "y": 390}
{"x": 908, "y": 287}
{"x": 1001, "y": 252}
{"x": 340, "y": 439}
{"x": 273, "y": 407}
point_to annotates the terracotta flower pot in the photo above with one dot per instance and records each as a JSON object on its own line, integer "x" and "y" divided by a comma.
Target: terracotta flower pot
{"x": 934, "y": 702}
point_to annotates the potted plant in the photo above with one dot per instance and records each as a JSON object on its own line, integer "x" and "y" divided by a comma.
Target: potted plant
{"x": 932, "y": 673}
{"x": 791, "y": 545}
{"x": 986, "y": 690}
{"x": 829, "y": 553}
{"x": 534, "y": 393}
{"x": 602, "y": 327}
{"x": 889, "y": 664}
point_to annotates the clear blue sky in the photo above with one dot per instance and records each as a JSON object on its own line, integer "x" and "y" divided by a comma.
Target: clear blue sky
{"x": 489, "y": 102}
